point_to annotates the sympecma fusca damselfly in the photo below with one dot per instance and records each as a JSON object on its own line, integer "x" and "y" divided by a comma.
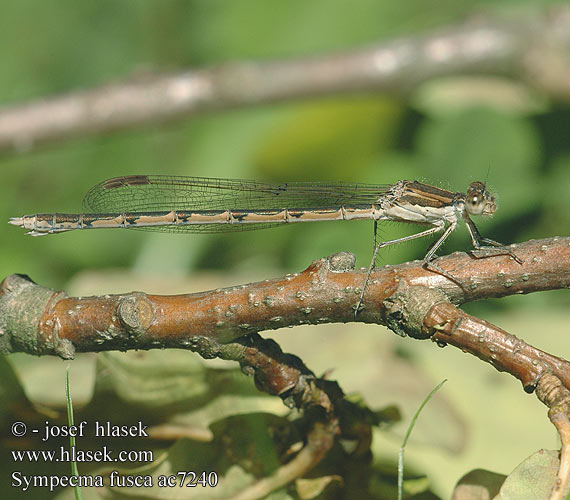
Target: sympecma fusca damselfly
{"x": 199, "y": 204}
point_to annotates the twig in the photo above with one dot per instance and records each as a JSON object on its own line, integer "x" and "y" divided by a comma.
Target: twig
{"x": 319, "y": 442}
{"x": 532, "y": 49}
{"x": 552, "y": 392}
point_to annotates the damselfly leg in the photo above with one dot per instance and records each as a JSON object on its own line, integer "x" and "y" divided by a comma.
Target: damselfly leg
{"x": 436, "y": 228}
{"x": 480, "y": 242}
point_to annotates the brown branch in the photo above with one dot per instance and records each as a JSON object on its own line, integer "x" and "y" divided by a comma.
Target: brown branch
{"x": 533, "y": 49}
{"x": 408, "y": 298}
{"x": 492, "y": 344}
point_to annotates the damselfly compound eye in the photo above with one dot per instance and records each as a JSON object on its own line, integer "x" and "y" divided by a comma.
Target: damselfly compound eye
{"x": 478, "y": 200}
{"x": 475, "y": 204}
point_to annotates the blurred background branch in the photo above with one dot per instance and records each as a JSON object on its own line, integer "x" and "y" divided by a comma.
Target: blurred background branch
{"x": 534, "y": 50}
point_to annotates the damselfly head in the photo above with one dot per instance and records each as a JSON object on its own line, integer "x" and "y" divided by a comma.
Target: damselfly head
{"x": 479, "y": 201}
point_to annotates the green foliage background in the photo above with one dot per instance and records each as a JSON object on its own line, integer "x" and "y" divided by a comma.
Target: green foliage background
{"x": 57, "y": 47}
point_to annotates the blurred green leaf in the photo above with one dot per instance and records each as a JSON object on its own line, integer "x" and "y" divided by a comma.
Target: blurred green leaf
{"x": 175, "y": 386}
{"x": 555, "y": 218}
{"x": 478, "y": 484}
{"x": 533, "y": 479}
{"x": 336, "y": 136}
{"x": 12, "y": 393}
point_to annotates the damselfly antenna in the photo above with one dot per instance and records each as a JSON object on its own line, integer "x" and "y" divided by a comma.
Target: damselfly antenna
{"x": 487, "y": 176}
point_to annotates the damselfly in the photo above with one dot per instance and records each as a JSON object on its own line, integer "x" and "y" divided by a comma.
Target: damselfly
{"x": 198, "y": 204}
